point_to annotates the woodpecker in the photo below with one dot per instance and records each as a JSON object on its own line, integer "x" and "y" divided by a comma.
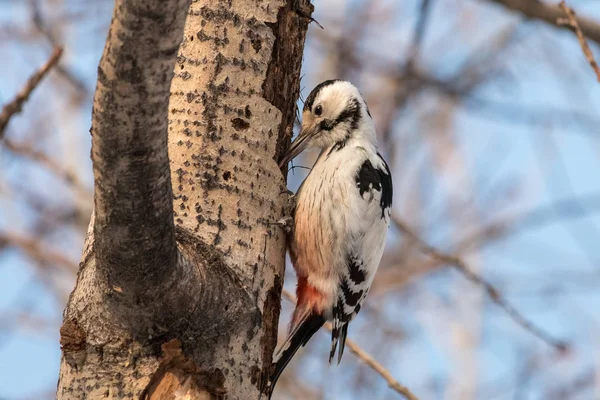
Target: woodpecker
{"x": 342, "y": 216}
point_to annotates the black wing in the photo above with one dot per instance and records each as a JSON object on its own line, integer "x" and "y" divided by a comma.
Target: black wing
{"x": 371, "y": 178}
{"x": 354, "y": 284}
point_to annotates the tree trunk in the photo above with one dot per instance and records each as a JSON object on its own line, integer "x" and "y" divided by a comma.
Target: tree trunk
{"x": 164, "y": 309}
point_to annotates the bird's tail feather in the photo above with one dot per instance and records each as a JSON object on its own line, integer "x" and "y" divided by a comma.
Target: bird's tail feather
{"x": 342, "y": 342}
{"x": 338, "y": 335}
{"x": 299, "y": 335}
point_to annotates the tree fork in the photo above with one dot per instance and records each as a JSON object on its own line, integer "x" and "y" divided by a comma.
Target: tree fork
{"x": 182, "y": 297}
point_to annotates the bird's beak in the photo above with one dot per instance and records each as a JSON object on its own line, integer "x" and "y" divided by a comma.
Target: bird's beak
{"x": 297, "y": 146}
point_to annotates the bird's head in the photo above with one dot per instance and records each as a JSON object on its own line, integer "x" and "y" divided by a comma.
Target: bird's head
{"x": 333, "y": 111}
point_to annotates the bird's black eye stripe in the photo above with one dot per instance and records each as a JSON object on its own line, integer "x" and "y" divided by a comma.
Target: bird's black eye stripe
{"x": 350, "y": 114}
{"x": 318, "y": 110}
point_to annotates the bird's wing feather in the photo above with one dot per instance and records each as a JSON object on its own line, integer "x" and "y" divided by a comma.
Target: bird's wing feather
{"x": 367, "y": 230}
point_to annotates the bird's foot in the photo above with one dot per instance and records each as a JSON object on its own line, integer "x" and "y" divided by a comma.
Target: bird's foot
{"x": 289, "y": 207}
{"x": 286, "y": 223}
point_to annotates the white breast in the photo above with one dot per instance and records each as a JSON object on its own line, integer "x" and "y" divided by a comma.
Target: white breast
{"x": 332, "y": 220}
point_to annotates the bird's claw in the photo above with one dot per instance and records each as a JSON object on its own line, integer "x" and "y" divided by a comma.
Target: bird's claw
{"x": 291, "y": 204}
{"x": 286, "y": 223}
{"x": 289, "y": 207}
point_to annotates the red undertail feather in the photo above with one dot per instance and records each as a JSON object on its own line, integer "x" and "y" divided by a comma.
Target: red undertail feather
{"x": 309, "y": 301}
{"x": 306, "y": 321}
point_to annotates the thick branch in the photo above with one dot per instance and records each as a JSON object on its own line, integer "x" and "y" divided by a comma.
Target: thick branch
{"x": 134, "y": 233}
{"x": 551, "y": 14}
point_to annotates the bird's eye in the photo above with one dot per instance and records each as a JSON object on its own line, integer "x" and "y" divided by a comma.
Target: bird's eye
{"x": 318, "y": 110}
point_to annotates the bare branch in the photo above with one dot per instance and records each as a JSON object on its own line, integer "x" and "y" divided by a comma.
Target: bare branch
{"x": 571, "y": 22}
{"x": 492, "y": 292}
{"x": 44, "y": 29}
{"x": 551, "y": 14}
{"x": 367, "y": 359}
{"x": 16, "y": 104}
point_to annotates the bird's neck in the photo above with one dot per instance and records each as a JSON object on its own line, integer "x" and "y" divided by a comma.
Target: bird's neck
{"x": 362, "y": 137}
{"x": 356, "y": 141}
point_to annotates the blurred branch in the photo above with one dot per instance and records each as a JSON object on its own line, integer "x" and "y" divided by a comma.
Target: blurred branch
{"x": 297, "y": 389}
{"x": 509, "y": 112}
{"x": 583, "y": 382}
{"x": 37, "y": 251}
{"x": 477, "y": 70}
{"x": 29, "y": 322}
{"x": 367, "y": 359}
{"x": 42, "y": 27}
{"x": 567, "y": 208}
{"x": 68, "y": 176}
{"x": 571, "y": 22}
{"x": 517, "y": 113}
{"x": 396, "y": 275}
{"x": 550, "y": 14}
{"x": 400, "y": 272}
{"x": 481, "y": 66}
{"x": 16, "y": 104}
{"x": 419, "y": 33}
{"x": 492, "y": 292}
{"x": 343, "y": 48}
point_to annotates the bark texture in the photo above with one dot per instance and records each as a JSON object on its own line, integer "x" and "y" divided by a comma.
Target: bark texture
{"x": 178, "y": 292}
{"x": 134, "y": 233}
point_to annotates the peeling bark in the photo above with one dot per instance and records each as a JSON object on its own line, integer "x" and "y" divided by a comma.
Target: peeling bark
{"x": 178, "y": 292}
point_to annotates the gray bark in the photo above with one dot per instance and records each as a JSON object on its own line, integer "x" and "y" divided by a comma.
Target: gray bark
{"x": 134, "y": 232}
{"x": 178, "y": 292}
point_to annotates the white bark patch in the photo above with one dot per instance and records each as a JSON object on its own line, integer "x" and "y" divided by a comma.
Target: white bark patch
{"x": 222, "y": 138}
